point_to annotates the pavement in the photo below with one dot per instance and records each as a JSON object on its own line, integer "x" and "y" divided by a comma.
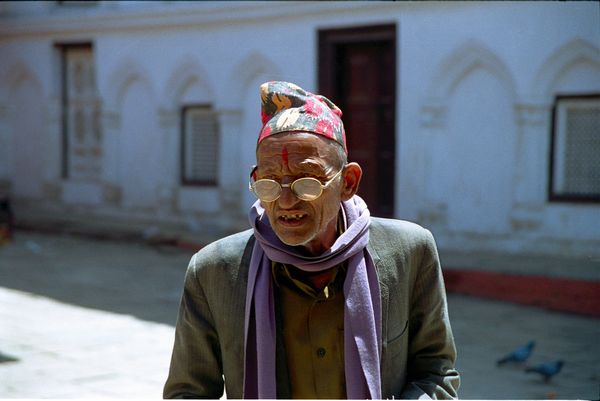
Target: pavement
{"x": 56, "y": 350}
{"x": 93, "y": 316}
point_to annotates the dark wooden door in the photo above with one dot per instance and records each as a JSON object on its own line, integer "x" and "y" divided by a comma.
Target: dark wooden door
{"x": 357, "y": 71}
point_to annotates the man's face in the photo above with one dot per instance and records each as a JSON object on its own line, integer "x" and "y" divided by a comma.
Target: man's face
{"x": 285, "y": 158}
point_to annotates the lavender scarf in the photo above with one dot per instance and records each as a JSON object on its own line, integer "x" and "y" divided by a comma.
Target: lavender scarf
{"x": 362, "y": 309}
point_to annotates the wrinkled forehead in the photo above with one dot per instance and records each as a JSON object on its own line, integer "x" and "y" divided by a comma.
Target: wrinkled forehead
{"x": 295, "y": 147}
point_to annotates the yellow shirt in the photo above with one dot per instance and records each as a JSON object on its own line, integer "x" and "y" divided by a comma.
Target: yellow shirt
{"x": 313, "y": 333}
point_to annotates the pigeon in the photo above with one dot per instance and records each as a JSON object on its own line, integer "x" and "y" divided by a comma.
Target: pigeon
{"x": 519, "y": 355}
{"x": 547, "y": 370}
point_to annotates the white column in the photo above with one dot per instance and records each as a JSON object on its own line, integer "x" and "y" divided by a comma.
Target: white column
{"x": 53, "y": 158}
{"x": 531, "y": 172}
{"x": 170, "y": 158}
{"x": 230, "y": 183}
{"x": 111, "y": 127}
{"x": 433, "y": 122}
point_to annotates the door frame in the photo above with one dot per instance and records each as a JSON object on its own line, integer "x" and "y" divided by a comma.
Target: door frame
{"x": 329, "y": 41}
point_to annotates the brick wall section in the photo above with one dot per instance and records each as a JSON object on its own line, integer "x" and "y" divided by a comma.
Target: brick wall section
{"x": 554, "y": 293}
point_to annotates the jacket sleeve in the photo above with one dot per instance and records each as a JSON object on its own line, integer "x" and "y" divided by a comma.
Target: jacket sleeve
{"x": 432, "y": 353}
{"x": 196, "y": 368}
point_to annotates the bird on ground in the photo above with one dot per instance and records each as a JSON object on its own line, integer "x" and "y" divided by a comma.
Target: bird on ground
{"x": 547, "y": 370}
{"x": 519, "y": 355}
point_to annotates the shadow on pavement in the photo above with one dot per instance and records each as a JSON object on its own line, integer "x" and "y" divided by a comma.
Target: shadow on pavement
{"x": 123, "y": 277}
{"x": 145, "y": 281}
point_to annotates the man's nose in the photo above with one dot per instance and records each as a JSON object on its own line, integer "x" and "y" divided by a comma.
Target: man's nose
{"x": 287, "y": 199}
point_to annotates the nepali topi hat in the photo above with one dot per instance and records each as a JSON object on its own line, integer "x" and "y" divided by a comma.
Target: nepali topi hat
{"x": 285, "y": 107}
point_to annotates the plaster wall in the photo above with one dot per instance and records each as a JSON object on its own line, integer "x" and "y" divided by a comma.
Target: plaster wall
{"x": 476, "y": 82}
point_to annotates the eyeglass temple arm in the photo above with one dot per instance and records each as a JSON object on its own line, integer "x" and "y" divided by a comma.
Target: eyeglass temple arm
{"x": 252, "y": 177}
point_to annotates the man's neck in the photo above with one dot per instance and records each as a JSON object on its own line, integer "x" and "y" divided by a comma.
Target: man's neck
{"x": 325, "y": 241}
{"x": 317, "y": 280}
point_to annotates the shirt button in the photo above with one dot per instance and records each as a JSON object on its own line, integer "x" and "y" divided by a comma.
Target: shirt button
{"x": 321, "y": 352}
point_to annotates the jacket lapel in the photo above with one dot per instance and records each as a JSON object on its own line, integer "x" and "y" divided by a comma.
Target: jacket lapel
{"x": 382, "y": 272}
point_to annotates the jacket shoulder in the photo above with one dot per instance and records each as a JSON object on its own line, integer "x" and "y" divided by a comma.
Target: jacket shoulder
{"x": 392, "y": 231}
{"x": 226, "y": 253}
{"x": 401, "y": 240}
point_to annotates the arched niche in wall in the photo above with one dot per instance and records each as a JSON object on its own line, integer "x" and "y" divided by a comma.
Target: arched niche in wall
{"x": 23, "y": 149}
{"x": 133, "y": 150}
{"x": 191, "y": 136}
{"x": 470, "y": 111}
{"x": 576, "y": 54}
{"x": 188, "y": 83}
{"x": 453, "y": 69}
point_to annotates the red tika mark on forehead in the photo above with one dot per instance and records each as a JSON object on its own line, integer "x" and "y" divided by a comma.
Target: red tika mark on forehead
{"x": 284, "y": 155}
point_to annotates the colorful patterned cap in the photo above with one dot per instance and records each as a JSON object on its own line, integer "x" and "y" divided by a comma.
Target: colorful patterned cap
{"x": 288, "y": 108}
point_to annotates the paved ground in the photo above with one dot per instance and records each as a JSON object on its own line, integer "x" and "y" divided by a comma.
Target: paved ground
{"x": 66, "y": 351}
{"x": 94, "y": 319}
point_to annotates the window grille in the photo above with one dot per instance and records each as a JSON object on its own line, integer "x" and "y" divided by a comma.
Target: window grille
{"x": 575, "y": 162}
{"x": 200, "y": 146}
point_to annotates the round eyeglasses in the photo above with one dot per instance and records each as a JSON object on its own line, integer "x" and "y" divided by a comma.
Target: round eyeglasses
{"x": 305, "y": 188}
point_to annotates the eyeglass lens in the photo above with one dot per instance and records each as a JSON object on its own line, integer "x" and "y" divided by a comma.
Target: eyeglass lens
{"x": 304, "y": 188}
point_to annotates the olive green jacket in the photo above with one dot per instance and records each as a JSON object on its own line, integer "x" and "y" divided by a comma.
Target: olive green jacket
{"x": 418, "y": 348}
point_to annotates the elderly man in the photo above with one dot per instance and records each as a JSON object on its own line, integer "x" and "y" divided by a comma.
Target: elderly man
{"x": 318, "y": 299}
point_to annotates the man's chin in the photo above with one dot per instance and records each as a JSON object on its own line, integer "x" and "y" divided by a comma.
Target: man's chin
{"x": 294, "y": 242}
{"x": 297, "y": 241}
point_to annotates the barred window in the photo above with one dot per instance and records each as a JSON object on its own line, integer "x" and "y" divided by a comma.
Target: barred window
{"x": 200, "y": 145}
{"x": 575, "y": 162}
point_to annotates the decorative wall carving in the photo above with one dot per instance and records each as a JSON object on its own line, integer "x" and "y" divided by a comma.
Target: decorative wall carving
{"x": 245, "y": 72}
{"x": 433, "y": 115}
{"x": 188, "y": 73}
{"x": 119, "y": 80}
{"x": 450, "y": 72}
{"x": 532, "y": 114}
{"x": 559, "y": 62}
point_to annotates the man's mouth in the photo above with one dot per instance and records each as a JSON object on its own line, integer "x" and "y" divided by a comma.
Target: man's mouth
{"x": 292, "y": 218}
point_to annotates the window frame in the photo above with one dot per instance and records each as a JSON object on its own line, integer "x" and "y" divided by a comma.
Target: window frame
{"x": 553, "y": 195}
{"x": 183, "y": 179}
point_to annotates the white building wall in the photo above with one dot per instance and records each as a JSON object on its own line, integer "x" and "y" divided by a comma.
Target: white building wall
{"x": 476, "y": 82}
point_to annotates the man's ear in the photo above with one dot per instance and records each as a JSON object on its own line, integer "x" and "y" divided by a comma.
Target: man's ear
{"x": 351, "y": 179}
